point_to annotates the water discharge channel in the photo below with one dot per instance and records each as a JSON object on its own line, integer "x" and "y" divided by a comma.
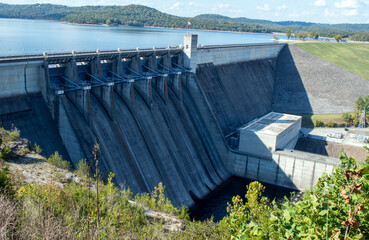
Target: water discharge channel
{"x": 215, "y": 204}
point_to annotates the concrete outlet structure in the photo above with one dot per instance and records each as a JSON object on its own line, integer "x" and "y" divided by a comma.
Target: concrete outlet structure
{"x": 269, "y": 133}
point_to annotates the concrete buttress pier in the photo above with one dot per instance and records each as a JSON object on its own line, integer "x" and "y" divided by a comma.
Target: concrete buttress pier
{"x": 144, "y": 87}
{"x": 106, "y": 95}
{"x": 96, "y": 70}
{"x": 151, "y": 61}
{"x": 161, "y": 85}
{"x": 175, "y": 82}
{"x": 118, "y": 65}
{"x": 71, "y": 71}
{"x": 82, "y": 100}
{"x": 127, "y": 92}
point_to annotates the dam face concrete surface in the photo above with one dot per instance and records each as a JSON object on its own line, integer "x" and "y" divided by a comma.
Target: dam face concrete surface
{"x": 169, "y": 115}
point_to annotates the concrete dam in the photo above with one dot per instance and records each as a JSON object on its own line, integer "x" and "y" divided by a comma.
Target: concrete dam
{"x": 180, "y": 115}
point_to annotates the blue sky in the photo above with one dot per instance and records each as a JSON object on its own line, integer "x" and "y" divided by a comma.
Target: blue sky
{"x": 323, "y": 11}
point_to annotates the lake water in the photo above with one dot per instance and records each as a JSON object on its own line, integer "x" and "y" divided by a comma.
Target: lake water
{"x": 19, "y": 36}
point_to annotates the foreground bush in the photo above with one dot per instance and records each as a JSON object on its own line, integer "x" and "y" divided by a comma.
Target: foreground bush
{"x": 336, "y": 208}
{"x": 53, "y": 212}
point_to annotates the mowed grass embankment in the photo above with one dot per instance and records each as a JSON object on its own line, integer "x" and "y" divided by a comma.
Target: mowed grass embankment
{"x": 309, "y": 119}
{"x": 353, "y": 57}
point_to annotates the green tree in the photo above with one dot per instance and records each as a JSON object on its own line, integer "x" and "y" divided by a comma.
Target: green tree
{"x": 338, "y": 37}
{"x": 316, "y": 36}
{"x": 288, "y": 34}
{"x": 297, "y": 35}
{"x": 311, "y": 34}
{"x": 362, "y": 103}
{"x": 346, "y": 117}
{"x": 303, "y": 35}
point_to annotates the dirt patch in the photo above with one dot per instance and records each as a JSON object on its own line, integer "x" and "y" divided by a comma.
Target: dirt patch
{"x": 330, "y": 149}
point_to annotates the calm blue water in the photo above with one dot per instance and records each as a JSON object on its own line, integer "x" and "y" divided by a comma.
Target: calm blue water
{"x": 19, "y": 36}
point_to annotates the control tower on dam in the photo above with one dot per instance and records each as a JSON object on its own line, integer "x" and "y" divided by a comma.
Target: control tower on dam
{"x": 188, "y": 116}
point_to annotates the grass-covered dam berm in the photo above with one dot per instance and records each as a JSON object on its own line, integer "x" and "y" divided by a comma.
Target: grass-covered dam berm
{"x": 189, "y": 116}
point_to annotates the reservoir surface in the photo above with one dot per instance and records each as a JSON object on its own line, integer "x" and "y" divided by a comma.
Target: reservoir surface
{"x": 19, "y": 36}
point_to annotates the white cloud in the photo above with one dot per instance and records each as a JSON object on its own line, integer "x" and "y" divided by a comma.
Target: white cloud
{"x": 223, "y": 5}
{"x": 281, "y": 7}
{"x": 191, "y": 4}
{"x": 265, "y": 7}
{"x": 219, "y": 7}
{"x": 320, "y": 3}
{"x": 176, "y": 5}
{"x": 329, "y": 14}
{"x": 347, "y": 4}
{"x": 351, "y": 12}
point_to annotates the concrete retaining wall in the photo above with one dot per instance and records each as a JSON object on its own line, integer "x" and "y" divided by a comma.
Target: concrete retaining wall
{"x": 288, "y": 168}
{"x": 226, "y": 54}
{"x": 220, "y": 55}
{"x": 20, "y": 78}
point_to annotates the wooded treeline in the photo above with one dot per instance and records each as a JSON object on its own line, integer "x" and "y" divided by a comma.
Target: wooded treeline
{"x": 138, "y": 15}
{"x": 356, "y": 32}
{"x": 130, "y": 15}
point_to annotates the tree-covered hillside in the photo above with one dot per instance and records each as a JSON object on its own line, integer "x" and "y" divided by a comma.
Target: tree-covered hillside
{"x": 131, "y": 15}
{"x": 138, "y": 15}
{"x": 324, "y": 30}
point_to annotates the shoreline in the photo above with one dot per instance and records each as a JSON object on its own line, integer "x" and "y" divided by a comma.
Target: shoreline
{"x": 207, "y": 30}
{"x": 155, "y": 27}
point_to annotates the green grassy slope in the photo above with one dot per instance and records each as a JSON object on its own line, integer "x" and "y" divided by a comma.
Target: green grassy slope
{"x": 350, "y": 56}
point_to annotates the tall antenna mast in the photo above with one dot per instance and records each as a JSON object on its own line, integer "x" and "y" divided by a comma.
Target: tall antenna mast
{"x": 360, "y": 131}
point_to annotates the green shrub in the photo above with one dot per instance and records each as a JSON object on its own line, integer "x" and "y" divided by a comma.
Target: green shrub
{"x": 336, "y": 208}
{"x": 5, "y": 153}
{"x": 356, "y": 121}
{"x": 37, "y": 148}
{"x": 82, "y": 169}
{"x": 13, "y": 134}
{"x": 6, "y": 183}
{"x": 57, "y": 160}
{"x": 157, "y": 200}
{"x": 332, "y": 124}
{"x": 318, "y": 123}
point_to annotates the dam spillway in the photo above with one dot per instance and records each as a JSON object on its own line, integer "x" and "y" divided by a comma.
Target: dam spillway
{"x": 160, "y": 115}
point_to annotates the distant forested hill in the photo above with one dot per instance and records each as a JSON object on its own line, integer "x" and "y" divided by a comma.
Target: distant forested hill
{"x": 131, "y": 15}
{"x": 138, "y": 15}
{"x": 324, "y": 30}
